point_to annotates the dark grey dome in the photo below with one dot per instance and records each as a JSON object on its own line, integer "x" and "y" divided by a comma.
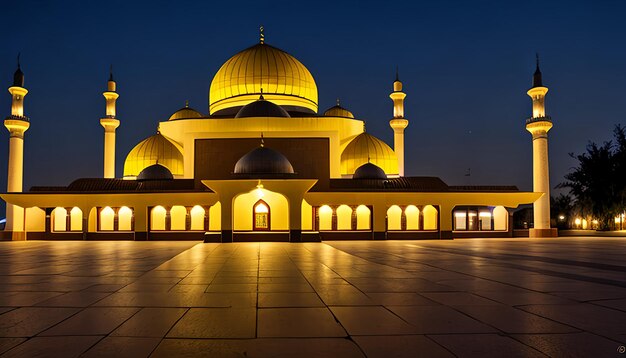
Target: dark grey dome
{"x": 155, "y": 172}
{"x": 369, "y": 171}
{"x": 262, "y": 108}
{"x": 263, "y": 160}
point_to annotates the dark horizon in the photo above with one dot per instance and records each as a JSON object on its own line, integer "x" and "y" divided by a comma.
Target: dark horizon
{"x": 465, "y": 69}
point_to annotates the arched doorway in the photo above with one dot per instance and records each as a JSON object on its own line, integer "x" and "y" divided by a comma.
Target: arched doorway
{"x": 261, "y": 216}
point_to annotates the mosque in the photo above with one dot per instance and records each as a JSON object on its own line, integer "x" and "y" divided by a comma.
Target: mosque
{"x": 265, "y": 164}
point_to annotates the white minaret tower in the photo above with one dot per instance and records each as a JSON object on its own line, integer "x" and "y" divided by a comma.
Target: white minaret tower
{"x": 398, "y": 123}
{"x": 17, "y": 124}
{"x": 110, "y": 123}
{"x": 539, "y": 125}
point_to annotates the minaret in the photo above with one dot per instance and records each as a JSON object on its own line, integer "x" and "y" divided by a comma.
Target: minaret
{"x": 398, "y": 123}
{"x": 17, "y": 124}
{"x": 110, "y": 123}
{"x": 539, "y": 125}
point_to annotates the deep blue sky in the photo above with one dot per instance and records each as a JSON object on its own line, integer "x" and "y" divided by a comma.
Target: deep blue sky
{"x": 466, "y": 67}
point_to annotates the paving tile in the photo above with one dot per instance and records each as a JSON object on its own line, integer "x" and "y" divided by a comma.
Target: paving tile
{"x": 400, "y": 347}
{"x": 104, "y": 288}
{"x": 513, "y": 320}
{"x": 343, "y": 295}
{"x": 457, "y": 298}
{"x": 371, "y": 320}
{"x": 287, "y": 299}
{"x": 188, "y": 289}
{"x": 173, "y": 299}
{"x": 8, "y": 343}
{"x": 146, "y": 287}
{"x": 439, "y": 320}
{"x": 231, "y": 287}
{"x": 28, "y": 321}
{"x": 285, "y": 287}
{"x": 619, "y": 304}
{"x": 298, "y": 322}
{"x": 67, "y": 346}
{"x": 570, "y": 345}
{"x": 92, "y": 321}
{"x": 22, "y": 299}
{"x": 120, "y": 347}
{"x": 523, "y": 297}
{"x": 267, "y": 347}
{"x": 584, "y": 316}
{"x": 401, "y": 299}
{"x": 150, "y": 322}
{"x": 74, "y": 299}
{"x": 484, "y": 345}
{"x": 216, "y": 323}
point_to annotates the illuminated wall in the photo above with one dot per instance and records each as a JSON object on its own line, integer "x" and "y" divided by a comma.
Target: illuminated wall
{"x": 394, "y": 218}
{"x": 243, "y": 210}
{"x": 412, "y": 214}
{"x": 430, "y": 218}
{"x": 307, "y": 216}
{"x": 344, "y": 218}
{"x": 363, "y": 218}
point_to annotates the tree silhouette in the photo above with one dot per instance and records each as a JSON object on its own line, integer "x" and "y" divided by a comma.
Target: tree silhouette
{"x": 599, "y": 181}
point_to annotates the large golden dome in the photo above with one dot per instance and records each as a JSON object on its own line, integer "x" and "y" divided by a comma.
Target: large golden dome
{"x": 281, "y": 77}
{"x": 366, "y": 148}
{"x": 156, "y": 149}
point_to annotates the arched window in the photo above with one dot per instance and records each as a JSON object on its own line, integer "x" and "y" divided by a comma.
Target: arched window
{"x": 363, "y": 218}
{"x": 76, "y": 219}
{"x": 430, "y": 218}
{"x": 125, "y": 219}
{"x": 59, "y": 219}
{"x": 344, "y": 217}
{"x": 107, "y": 219}
{"x": 500, "y": 218}
{"x": 412, "y": 214}
{"x": 157, "y": 218}
{"x": 261, "y": 219}
{"x": 325, "y": 213}
{"x": 197, "y": 218}
{"x": 178, "y": 217}
{"x": 394, "y": 218}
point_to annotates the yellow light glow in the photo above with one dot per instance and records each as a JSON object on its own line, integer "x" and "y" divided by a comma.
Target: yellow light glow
{"x": 125, "y": 219}
{"x": 261, "y": 208}
{"x": 577, "y": 221}
{"x": 107, "y": 219}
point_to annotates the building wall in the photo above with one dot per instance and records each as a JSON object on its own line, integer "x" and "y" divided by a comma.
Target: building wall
{"x": 216, "y": 158}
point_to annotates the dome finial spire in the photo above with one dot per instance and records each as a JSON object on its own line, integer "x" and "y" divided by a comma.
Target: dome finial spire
{"x": 261, "y": 98}
{"x": 338, "y": 101}
{"x": 262, "y": 34}
{"x": 186, "y": 103}
{"x": 262, "y": 140}
{"x": 537, "y": 80}
{"x": 111, "y": 72}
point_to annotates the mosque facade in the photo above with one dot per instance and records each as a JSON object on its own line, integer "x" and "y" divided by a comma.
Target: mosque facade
{"x": 265, "y": 164}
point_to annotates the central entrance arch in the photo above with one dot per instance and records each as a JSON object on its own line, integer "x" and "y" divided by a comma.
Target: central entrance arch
{"x": 260, "y": 213}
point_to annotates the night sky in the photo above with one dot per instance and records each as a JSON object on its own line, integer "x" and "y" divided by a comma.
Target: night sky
{"x": 466, "y": 67}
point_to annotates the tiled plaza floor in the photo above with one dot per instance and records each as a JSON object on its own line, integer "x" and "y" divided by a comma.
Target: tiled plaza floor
{"x": 562, "y": 297}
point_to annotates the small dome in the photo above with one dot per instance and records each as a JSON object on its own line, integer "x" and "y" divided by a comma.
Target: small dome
{"x": 156, "y": 149}
{"x": 263, "y": 160}
{"x": 262, "y": 108}
{"x": 185, "y": 113}
{"x": 369, "y": 171}
{"x": 155, "y": 172}
{"x": 284, "y": 80}
{"x": 338, "y": 111}
{"x": 366, "y": 148}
